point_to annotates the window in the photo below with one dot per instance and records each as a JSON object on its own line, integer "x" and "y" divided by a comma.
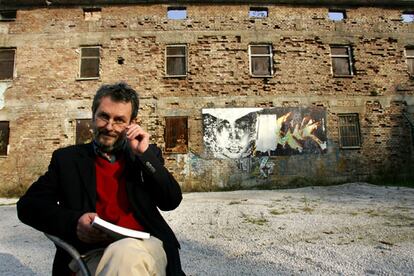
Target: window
{"x": 177, "y": 13}
{"x": 92, "y": 14}
{"x": 409, "y": 54}
{"x": 7, "y": 64}
{"x": 261, "y": 60}
{"x": 176, "y": 134}
{"x": 84, "y": 132}
{"x": 349, "y": 133}
{"x": 4, "y": 138}
{"x": 258, "y": 12}
{"x": 336, "y": 15}
{"x": 8, "y": 15}
{"x": 407, "y": 17}
{"x": 176, "y": 60}
{"x": 341, "y": 61}
{"x": 89, "y": 64}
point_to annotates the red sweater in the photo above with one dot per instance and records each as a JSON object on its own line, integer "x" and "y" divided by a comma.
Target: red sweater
{"x": 111, "y": 196}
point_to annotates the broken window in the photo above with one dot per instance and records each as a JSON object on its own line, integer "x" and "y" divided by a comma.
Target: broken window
{"x": 335, "y": 15}
{"x": 176, "y": 134}
{"x": 177, "y": 13}
{"x": 92, "y": 14}
{"x": 341, "y": 61}
{"x": 349, "y": 132}
{"x": 407, "y": 17}
{"x": 256, "y": 12}
{"x": 89, "y": 64}
{"x": 4, "y": 138}
{"x": 409, "y": 54}
{"x": 84, "y": 131}
{"x": 7, "y": 63}
{"x": 8, "y": 15}
{"x": 176, "y": 60}
{"x": 261, "y": 60}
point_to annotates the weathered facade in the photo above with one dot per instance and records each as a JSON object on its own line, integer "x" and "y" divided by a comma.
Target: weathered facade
{"x": 328, "y": 99}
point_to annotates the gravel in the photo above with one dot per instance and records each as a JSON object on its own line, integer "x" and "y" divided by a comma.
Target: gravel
{"x": 350, "y": 229}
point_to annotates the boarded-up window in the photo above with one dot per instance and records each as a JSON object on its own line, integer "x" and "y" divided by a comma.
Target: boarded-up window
{"x": 176, "y": 134}
{"x": 176, "y": 60}
{"x": 92, "y": 14}
{"x": 89, "y": 64}
{"x": 349, "y": 132}
{"x": 9, "y": 15}
{"x": 261, "y": 60}
{"x": 409, "y": 52}
{"x": 341, "y": 60}
{"x": 84, "y": 133}
{"x": 4, "y": 137}
{"x": 258, "y": 12}
{"x": 7, "y": 64}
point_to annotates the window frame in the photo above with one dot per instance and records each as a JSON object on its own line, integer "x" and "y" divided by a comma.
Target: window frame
{"x": 270, "y": 56}
{"x": 169, "y": 149}
{"x": 7, "y": 124}
{"x": 14, "y": 63}
{"x": 82, "y": 58}
{"x": 408, "y": 59}
{"x": 349, "y": 57}
{"x": 185, "y": 56}
{"x": 356, "y": 133}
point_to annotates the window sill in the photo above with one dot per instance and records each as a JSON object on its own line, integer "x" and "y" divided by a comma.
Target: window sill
{"x": 350, "y": 147}
{"x": 343, "y": 76}
{"x": 87, "y": 79}
{"x": 261, "y": 76}
{"x": 176, "y": 76}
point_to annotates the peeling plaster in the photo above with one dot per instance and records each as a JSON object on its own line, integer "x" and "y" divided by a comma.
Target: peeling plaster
{"x": 3, "y": 88}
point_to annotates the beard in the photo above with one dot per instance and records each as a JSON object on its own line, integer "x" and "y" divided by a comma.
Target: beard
{"x": 107, "y": 146}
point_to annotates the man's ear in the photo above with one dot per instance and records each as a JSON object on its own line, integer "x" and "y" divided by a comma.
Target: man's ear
{"x": 133, "y": 121}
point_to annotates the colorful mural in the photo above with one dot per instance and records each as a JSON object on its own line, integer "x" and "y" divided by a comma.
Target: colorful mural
{"x": 247, "y": 132}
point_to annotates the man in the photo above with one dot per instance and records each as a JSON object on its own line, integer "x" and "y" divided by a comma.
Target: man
{"x": 121, "y": 178}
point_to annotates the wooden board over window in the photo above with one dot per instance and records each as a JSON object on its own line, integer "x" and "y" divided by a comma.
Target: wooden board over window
{"x": 89, "y": 64}
{"x": 6, "y": 64}
{"x": 349, "y": 132}
{"x": 84, "y": 133}
{"x": 176, "y": 134}
{"x": 4, "y": 137}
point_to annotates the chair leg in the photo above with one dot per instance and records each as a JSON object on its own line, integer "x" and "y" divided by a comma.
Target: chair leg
{"x": 72, "y": 252}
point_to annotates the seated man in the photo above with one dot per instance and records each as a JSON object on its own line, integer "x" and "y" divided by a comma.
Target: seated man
{"x": 121, "y": 178}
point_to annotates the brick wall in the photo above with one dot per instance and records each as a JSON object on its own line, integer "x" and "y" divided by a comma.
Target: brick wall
{"x": 45, "y": 97}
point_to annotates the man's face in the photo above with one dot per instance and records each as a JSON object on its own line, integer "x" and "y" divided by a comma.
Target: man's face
{"x": 109, "y": 123}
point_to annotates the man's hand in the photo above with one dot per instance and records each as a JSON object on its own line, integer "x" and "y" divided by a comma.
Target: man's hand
{"x": 138, "y": 138}
{"x": 86, "y": 232}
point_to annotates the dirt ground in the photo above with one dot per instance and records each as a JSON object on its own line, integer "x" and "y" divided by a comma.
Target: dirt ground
{"x": 350, "y": 229}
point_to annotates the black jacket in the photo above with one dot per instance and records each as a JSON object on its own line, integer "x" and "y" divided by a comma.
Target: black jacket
{"x": 55, "y": 202}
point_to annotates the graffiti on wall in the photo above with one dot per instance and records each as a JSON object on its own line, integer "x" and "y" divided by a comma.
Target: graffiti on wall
{"x": 248, "y": 132}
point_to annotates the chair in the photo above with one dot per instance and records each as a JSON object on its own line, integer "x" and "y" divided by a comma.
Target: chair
{"x": 72, "y": 252}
